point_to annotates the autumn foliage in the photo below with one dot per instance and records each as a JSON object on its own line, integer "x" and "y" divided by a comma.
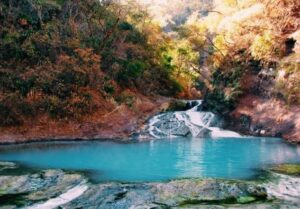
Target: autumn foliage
{"x": 63, "y": 59}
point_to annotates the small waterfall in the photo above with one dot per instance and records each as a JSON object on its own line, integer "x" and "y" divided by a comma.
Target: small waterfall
{"x": 192, "y": 122}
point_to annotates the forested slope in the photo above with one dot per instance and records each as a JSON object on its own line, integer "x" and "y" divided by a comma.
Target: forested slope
{"x": 62, "y": 60}
{"x": 252, "y": 56}
{"x": 66, "y": 62}
{"x": 92, "y": 63}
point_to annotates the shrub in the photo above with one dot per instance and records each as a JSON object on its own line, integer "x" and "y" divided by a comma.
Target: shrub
{"x": 108, "y": 88}
{"x": 79, "y": 105}
{"x": 11, "y": 82}
{"x": 125, "y": 98}
{"x": 227, "y": 78}
{"x": 12, "y": 108}
{"x": 136, "y": 37}
{"x": 7, "y": 116}
{"x": 69, "y": 77}
{"x": 61, "y": 90}
{"x": 264, "y": 47}
{"x": 132, "y": 70}
{"x": 216, "y": 101}
{"x": 56, "y": 107}
{"x": 177, "y": 106}
{"x": 125, "y": 26}
{"x": 174, "y": 87}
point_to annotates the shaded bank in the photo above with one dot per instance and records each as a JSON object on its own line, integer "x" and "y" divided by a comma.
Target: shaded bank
{"x": 253, "y": 115}
{"x": 112, "y": 122}
{"x": 266, "y": 117}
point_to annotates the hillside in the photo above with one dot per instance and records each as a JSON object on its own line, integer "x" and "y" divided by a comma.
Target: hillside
{"x": 97, "y": 69}
{"x": 66, "y": 62}
{"x": 250, "y": 64}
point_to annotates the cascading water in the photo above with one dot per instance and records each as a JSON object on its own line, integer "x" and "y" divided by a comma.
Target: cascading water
{"x": 187, "y": 123}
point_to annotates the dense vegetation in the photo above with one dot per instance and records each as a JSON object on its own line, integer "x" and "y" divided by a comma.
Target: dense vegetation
{"x": 237, "y": 40}
{"x": 241, "y": 38}
{"x": 62, "y": 58}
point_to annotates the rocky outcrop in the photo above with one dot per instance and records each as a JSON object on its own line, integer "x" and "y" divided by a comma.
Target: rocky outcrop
{"x": 191, "y": 122}
{"x": 56, "y": 188}
{"x": 172, "y": 194}
{"x": 30, "y": 188}
{"x": 259, "y": 116}
{"x": 262, "y": 110}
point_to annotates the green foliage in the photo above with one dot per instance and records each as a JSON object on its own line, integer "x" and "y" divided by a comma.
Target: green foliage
{"x": 108, "y": 86}
{"x": 11, "y": 82}
{"x": 175, "y": 88}
{"x": 218, "y": 102}
{"x": 125, "y": 26}
{"x": 227, "y": 78}
{"x": 60, "y": 2}
{"x": 167, "y": 62}
{"x": 136, "y": 37}
{"x": 246, "y": 199}
{"x": 289, "y": 169}
{"x": 135, "y": 68}
{"x": 132, "y": 70}
{"x": 125, "y": 98}
{"x": 226, "y": 90}
{"x": 244, "y": 31}
{"x": 263, "y": 46}
{"x": 177, "y": 106}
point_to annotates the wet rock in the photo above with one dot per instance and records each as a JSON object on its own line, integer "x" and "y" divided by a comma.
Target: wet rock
{"x": 186, "y": 123}
{"x": 284, "y": 187}
{"x": 52, "y": 187}
{"x": 278, "y": 121}
{"x": 181, "y": 130}
{"x": 270, "y": 205}
{"x": 7, "y": 165}
{"x": 31, "y": 188}
{"x": 206, "y": 191}
{"x": 55, "y": 185}
{"x": 171, "y": 194}
{"x": 168, "y": 125}
{"x": 115, "y": 195}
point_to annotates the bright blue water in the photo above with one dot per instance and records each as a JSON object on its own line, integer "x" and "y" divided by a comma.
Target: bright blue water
{"x": 158, "y": 160}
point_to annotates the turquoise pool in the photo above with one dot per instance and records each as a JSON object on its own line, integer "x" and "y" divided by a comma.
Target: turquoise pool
{"x": 158, "y": 160}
